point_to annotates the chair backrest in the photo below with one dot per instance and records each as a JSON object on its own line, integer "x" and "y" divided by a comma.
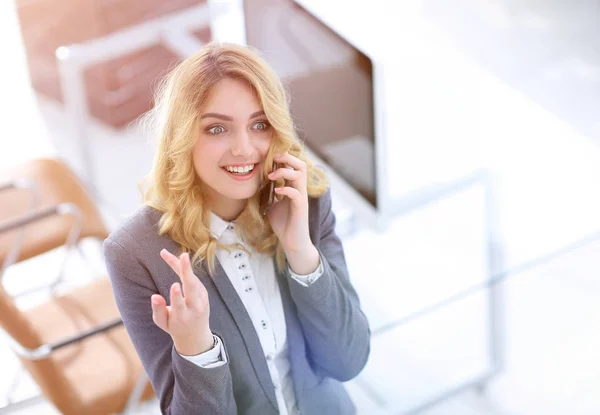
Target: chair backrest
{"x": 54, "y": 184}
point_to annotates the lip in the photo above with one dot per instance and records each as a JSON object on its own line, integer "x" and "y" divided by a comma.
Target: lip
{"x": 244, "y": 177}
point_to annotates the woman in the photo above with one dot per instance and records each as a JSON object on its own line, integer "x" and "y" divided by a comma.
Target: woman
{"x": 262, "y": 318}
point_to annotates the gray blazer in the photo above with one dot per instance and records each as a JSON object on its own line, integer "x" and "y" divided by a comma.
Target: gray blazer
{"x": 328, "y": 335}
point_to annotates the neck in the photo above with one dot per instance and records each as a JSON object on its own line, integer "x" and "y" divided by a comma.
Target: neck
{"x": 228, "y": 210}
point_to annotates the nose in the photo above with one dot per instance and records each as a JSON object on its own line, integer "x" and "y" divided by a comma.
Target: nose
{"x": 242, "y": 144}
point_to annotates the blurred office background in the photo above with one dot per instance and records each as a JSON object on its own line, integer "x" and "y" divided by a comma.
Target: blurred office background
{"x": 463, "y": 140}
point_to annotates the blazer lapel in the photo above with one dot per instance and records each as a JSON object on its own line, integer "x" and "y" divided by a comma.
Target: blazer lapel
{"x": 233, "y": 302}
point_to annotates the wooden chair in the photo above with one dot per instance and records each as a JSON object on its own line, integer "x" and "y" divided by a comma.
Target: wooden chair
{"x": 74, "y": 344}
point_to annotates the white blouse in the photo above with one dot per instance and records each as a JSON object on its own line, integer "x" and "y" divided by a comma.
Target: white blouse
{"x": 253, "y": 277}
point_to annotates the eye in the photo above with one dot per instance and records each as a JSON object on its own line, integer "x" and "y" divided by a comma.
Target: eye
{"x": 260, "y": 126}
{"x": 217, "y": 129}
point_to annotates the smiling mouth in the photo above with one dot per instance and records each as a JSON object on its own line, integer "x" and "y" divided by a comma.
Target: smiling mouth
{"x": 240, "y": 170}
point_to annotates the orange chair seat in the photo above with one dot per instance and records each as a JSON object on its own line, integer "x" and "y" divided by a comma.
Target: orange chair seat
{"x": 101, "y": 370}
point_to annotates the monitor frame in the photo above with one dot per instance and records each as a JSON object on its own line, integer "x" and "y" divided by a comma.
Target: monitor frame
{"x": 374, "y": 216}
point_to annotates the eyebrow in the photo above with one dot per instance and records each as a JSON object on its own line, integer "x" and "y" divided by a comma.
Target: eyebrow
{"x": 256, "y": 114}
{"x": 227, "y": 117}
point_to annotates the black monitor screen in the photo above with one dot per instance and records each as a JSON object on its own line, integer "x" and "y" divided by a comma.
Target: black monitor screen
{"x": 330, "y": 84}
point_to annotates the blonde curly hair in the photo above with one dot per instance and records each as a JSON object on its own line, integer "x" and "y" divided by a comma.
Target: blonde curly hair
{"x": 174, "y": 188}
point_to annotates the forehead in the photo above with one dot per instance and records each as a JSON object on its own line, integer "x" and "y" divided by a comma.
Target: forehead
{"x": 234, "y": 97}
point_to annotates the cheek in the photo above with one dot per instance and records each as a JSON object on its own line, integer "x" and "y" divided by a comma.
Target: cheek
{"x": 208, "y": 153}
{"x": 206, "y": 158}
{"x": 264, "y": 145}
{"x": 197, "y": 158}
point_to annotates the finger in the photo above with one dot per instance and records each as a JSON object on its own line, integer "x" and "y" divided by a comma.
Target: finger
{"x": 292, "y": 161}
{"x": 177, "y": 301}
{"x": 290, "y": 192}
{"x": 172, "y": 260}
{"x": 199, "y": 287}
{"x": 159, "y": 311}
{"x": 189, "y": 280}
{"x": 287, "y": 174}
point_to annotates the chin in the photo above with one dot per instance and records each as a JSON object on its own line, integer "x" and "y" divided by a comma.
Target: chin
{"x": 241, "y": 194}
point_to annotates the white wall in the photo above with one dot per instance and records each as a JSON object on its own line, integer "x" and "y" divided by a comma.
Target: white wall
{"x": 23, "y": 132}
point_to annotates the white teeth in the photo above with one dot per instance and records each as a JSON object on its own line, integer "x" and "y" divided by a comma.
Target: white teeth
{"x": 241, "y": 169}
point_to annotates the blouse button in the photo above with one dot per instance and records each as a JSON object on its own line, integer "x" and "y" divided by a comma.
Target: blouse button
{"x": 242, "y": 266}
{"x": 264, "y": 324}
{"x": 248, "y": 289}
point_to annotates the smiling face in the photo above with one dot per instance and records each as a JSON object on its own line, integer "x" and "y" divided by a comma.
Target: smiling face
{"x": 233, "y": 139}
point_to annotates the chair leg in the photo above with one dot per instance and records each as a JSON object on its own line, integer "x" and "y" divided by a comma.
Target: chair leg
{"x": 134, "y": 400}
{"x": 10, "y": 405}
{"x": 25, "y": 403}
{"x": 87, "y": 259}
{"x": 14, "y": 383}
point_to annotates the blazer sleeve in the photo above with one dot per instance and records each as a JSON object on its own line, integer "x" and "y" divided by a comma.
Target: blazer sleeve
{"x": 336, "y": 331}
{"x": 181, "y": 386}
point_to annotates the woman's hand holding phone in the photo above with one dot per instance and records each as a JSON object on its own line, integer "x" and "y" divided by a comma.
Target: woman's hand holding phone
{"x": 289, "y": 216}
{"x": 271, "y": 198}
{"x": 186, "y": 319}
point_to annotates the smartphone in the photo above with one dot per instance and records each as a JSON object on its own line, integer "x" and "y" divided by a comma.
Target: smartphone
{"x": 271, "y": 191}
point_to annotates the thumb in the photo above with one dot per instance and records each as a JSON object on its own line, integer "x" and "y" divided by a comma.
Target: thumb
{"x": 159, "y": 311}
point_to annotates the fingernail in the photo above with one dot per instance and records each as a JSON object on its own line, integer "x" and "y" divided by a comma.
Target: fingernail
{"x": 154, "y": 300}
{"x": 278, "y": 189}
